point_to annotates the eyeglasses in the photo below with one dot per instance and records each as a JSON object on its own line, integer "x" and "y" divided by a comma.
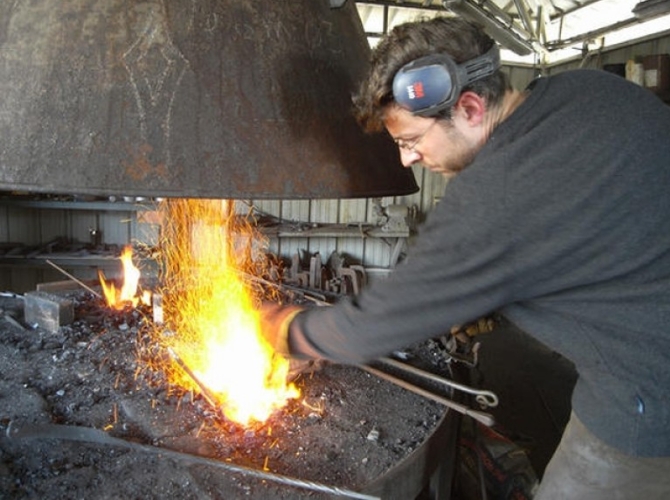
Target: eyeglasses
{"x": 410, "y": 146}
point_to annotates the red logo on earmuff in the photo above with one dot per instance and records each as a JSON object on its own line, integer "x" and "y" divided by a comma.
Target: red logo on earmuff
{"x": 415, "y": 91}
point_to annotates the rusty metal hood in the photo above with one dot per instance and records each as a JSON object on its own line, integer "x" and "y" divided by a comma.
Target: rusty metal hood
{"x": 188, "y": 98}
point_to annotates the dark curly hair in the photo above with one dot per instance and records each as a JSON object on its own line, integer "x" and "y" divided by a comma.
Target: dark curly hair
{"x": 459, "y": 39}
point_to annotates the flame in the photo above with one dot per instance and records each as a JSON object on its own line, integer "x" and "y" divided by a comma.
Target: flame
{"x": 210, "y": 314}
{"x": 128, "y": 294}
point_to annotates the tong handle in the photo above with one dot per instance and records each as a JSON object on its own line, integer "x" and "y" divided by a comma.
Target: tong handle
{"x": 486, "y": 399}
{"x": 483, "y": 417}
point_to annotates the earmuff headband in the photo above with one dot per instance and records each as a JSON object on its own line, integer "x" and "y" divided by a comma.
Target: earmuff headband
{"x": 433, "y": 83}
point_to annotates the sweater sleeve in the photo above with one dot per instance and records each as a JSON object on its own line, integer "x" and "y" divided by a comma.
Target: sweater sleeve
{"x": 453, "y": 275}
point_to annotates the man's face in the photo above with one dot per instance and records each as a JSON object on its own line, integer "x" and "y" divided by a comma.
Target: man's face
{"x": 442, "y": 146}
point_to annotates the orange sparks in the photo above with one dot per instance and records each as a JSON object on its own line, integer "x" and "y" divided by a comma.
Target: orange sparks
{"x": 210, "y": 312}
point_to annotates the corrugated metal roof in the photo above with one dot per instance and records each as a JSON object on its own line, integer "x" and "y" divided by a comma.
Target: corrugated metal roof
{"x": 534, "y": 31}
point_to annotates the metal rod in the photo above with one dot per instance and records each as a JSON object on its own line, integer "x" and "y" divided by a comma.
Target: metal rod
{"x": 483, "y": 397}
{"x": 485, "y": 418}
{"x": 80, "y": 283}
{"x": 206, "y": 393}
{"x": 506, "y": 34}
{"x": 89, "y": 435}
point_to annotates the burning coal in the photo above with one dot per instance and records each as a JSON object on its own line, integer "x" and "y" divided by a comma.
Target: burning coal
{"x": 210, "y": 312}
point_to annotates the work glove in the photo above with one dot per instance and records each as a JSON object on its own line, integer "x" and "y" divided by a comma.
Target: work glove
{"x": 275, "y": 320}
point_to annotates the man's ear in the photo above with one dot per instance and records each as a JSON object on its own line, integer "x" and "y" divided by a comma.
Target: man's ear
{"x": 472, "y": 107}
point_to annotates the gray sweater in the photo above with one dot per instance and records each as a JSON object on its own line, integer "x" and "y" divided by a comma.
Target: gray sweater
{"x": 561, "y": 224}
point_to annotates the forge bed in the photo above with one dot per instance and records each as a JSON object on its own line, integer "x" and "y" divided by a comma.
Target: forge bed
{"x": 350, "y": 433}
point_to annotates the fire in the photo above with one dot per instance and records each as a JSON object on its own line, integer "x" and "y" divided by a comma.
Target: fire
{"x": 128, "y": 294}
{"x": 209, "y": 310}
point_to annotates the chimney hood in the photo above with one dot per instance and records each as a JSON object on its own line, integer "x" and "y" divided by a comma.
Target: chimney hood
{"x": 188, "y": 98}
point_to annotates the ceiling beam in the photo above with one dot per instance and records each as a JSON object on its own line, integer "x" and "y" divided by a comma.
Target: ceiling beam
{"x": 591, "y": 35}
{"x": 403, "y": 4}
{"x": 502, "y": 29}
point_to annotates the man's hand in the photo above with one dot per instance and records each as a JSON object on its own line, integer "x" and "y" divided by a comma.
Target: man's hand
{"x": 275, "y": 321}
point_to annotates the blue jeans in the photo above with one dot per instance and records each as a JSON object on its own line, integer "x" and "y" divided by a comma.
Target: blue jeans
{"x": 585, "y": 468}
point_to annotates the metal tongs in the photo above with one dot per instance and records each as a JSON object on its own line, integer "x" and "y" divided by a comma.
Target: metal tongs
{"x": 484, "y": 398}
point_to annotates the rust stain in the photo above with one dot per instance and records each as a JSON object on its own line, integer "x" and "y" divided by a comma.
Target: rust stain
{"x": 140, "y": 166}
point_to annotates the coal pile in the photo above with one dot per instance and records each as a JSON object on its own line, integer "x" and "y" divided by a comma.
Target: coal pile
{"x": 84, "y": 414}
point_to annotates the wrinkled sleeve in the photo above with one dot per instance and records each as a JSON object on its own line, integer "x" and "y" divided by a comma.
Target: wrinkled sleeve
{"x": 455, "y": 272}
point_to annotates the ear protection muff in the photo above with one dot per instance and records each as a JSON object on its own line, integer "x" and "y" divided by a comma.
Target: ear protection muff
{"x": 433, "y": 83}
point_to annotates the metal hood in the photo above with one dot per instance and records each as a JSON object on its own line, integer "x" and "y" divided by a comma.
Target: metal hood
{"x": 188, "y": 98}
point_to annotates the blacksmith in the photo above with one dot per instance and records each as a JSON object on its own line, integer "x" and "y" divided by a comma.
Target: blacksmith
{"x": 557, "y": 216}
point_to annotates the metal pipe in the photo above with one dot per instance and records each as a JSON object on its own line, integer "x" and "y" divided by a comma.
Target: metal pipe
{"x": 89, "y": 435}
{"x": 494, "y": 26}
{"x": 522, "y": 8}
{"x": 585, "y": 37}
